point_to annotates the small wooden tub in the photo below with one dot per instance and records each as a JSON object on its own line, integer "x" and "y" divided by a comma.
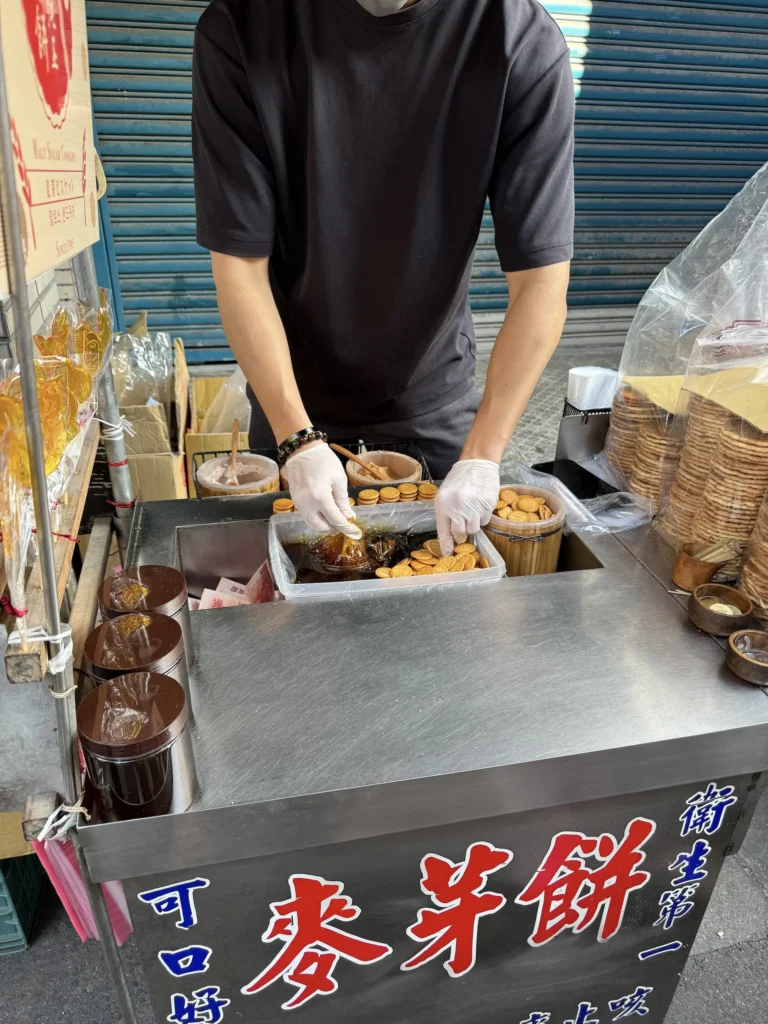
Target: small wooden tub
{"x": 529, "y": 549}
{"x": 405, "y": 469}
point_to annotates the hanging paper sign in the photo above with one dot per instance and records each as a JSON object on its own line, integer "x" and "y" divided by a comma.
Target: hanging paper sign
{"x": 46, "y": 70}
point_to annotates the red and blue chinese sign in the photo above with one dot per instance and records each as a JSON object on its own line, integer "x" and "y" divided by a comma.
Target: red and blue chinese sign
{"x": 597, "y": 932}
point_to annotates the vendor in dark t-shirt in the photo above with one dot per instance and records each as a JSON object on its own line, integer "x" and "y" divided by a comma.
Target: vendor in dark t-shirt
{"x": 343, "y": 153}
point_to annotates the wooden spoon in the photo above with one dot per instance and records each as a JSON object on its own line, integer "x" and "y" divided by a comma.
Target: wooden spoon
{"x": 377, "y": 472}
{"x": 232, "y": 471}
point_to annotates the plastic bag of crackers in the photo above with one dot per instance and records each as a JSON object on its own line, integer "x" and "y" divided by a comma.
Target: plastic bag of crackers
{"x": 715, "y": 283}
{"x": 722, "y": 428}
{"x": 754, "y": 574}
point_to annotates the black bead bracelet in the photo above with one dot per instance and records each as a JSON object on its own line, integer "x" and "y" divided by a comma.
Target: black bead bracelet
{"x": 298, "y": 440}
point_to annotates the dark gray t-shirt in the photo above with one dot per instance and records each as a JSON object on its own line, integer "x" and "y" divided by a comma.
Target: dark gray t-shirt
{"x": 357, "y": 151}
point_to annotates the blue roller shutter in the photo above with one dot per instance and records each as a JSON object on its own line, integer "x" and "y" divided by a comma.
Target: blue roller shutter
{"x": 140, "y": 55}
{"x": 671, "y": 121}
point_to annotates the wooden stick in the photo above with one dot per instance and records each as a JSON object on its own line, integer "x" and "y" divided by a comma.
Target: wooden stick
{"x": 37, "y": 810}
{"x": 82, "y": 617}
{"x": 28, "y": 663}
{"x": 232, "y": 474}
{"x": 377, "y": 472}
{"x": 719, "y": 552}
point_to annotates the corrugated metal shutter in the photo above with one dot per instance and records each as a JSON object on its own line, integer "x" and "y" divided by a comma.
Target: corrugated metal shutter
{"x": 671, "y": 120}
{"x": 141, "y": 55}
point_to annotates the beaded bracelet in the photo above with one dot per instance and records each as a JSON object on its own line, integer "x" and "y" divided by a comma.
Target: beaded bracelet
{"x": 298, "y": 440}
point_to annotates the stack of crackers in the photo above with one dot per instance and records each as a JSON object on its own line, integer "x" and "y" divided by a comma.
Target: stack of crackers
{"x": 630, "y": 412}
{"x": 393, "y": 495}
{"x": 429, "y": 561}
{"x": 656, "y": 460}
{"x": 735, "y": 488}
{"x": 282, "y": 506}
{"x": 521, "y": 508}
{"x": 368, "y": 497}
{"x": 706, "y": 420}
{"x": 754, "y": 575}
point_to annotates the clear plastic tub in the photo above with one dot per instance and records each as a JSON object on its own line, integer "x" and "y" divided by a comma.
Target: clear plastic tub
{"x": 415, "y": 517}
{"x": 257, "y": 475}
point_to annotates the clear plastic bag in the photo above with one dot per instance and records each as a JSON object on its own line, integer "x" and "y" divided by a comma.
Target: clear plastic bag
{"x": 16, "y": 517}
{"x": 77, "y": 341}
{"x": 230, "y": 404}
{"x": 754, "y": 574}
{"x": 610, "y": 513}
{"x": 721, "y": 427}
{"x": 73, "y": 348}
{"x": 716, "y": 284}
{"x": 717, "y": 280}
{"x": 143, "y": 370}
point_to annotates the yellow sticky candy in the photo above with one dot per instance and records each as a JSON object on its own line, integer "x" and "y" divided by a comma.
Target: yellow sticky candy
{"x": 88, "y": 347}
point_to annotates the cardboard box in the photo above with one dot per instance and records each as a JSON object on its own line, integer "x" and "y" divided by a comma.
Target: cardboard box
{"x": 202, "y": 394}
{"x": 155, "y": 453}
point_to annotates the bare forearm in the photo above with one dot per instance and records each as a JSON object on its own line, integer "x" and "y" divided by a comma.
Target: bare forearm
{"x": 529, "y": 335}
{"x": 256, "y": 336}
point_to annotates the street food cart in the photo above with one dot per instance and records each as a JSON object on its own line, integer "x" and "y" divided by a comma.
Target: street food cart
{"x": 499, "y": 801}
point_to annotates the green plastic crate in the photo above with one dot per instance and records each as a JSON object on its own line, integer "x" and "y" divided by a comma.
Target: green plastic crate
{"x": 21, "y": 883}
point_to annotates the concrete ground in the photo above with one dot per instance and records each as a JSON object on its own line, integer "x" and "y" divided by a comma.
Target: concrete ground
{"x": 60, "y": 981}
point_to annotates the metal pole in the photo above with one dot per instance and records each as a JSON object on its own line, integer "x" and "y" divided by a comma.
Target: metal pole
{"x": 62, "y": 680}
{"x": 108, "y": 943}
{"x": 87, "y": 288}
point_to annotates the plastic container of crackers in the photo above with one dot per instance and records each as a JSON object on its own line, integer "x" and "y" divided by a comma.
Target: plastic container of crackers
{"x": 410, "y": 519}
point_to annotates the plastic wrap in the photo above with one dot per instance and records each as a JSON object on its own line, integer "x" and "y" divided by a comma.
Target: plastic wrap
{"x": 414, "y": 517}
{"x": 60, "y": 862}
{"x": 143, "y": 370}
{"x": 15, "y": 513}
{"x": 717, "y": 283}
{"x": 230, "y": 404}
{"x": 609, "y": 513}
{"x": 754, "y": 574}
{"x": 722, "y": 429}
{"x": 73, "y": 348}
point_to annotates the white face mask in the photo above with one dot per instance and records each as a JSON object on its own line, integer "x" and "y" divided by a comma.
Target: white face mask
{"x": 380, "y": 8}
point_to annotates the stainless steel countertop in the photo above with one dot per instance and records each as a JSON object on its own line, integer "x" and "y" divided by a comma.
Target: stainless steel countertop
{"x": 526, "y": 693}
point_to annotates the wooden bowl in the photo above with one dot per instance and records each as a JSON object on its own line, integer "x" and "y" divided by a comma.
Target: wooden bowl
{"x": 737, "y": 655}
{"x": 689, "y": 572}
{"x": 405, "y": 469}
{"x": 716, "y": 623}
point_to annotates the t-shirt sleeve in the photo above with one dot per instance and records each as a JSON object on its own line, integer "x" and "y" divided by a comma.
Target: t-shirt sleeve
{"x": 234, "y": 182}
{"x": 531, "y": 193}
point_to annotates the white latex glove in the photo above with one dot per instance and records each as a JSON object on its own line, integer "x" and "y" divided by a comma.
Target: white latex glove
{"x": 466, "y": 501}
{"x": 318, "y": 486}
